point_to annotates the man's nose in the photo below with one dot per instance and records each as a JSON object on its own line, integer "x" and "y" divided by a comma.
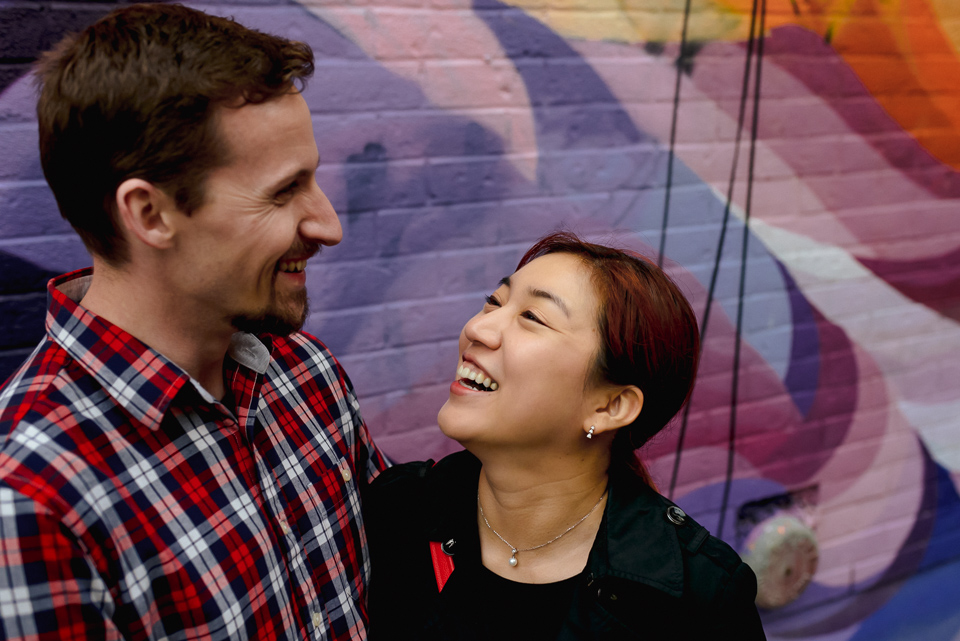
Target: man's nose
{"x": 320, "y": 223}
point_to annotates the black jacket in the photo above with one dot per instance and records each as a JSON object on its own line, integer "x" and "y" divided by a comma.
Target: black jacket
{"x": 647, "y": 577}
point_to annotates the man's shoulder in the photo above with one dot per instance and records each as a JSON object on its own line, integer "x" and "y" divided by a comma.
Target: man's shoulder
{"x": 302, "y": 349}
{"x": 36, "y": 388}
{"x": 45, "y": 413}
{"x": 301, "y": 363}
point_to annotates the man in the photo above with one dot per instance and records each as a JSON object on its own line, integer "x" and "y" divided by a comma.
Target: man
{"x": 162, "y": 474}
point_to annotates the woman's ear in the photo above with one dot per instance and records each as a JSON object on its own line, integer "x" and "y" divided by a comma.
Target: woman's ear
{"x": 623, "y": 405}
{"x": 143, "y": 212}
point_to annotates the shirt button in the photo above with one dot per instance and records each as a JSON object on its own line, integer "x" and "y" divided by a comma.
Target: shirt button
{"x": 317, "y": 619}
{"x": 345, "y": 472}
{"x": 284, "y": 527}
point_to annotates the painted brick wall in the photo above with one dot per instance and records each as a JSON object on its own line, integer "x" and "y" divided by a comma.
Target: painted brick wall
{"x": 455, "y": 133}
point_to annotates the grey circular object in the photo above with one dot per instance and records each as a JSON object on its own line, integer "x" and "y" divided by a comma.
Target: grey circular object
{"x": 784, "y": 554}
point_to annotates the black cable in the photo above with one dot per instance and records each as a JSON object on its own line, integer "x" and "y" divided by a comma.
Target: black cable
{"x": 741, "y": 117}
{"x": 731, "y": 448}
{"x": 673, "y": 134}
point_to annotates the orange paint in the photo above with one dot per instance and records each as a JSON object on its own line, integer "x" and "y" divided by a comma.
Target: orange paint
{"x": 898, "y": 50}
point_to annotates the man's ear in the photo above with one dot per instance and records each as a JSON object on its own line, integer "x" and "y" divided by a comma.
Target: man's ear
{"x": 622, "y": 407}
{"x": 144, "y": 212}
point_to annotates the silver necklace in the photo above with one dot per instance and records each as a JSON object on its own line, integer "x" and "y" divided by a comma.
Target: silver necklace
{"x": 514, "y": 551}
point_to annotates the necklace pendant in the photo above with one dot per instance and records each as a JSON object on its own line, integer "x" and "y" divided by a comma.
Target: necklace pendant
{"x": 513, "y": 558}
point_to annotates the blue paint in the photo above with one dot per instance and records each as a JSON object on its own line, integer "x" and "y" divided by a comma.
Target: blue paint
{"x": 804, "y": 365}
{"x": 927, "y": 607}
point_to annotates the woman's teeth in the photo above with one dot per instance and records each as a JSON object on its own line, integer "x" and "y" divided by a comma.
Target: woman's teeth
{"x": 292, "y": 266}
{"x": 482, "y": 381}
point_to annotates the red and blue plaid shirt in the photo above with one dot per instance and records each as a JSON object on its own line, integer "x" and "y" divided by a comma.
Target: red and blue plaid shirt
{"x": 135, "y": 506}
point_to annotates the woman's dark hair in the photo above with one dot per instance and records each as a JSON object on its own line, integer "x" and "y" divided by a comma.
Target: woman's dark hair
{"x": 649, "y": 335}
{"x": 134, "y": 96}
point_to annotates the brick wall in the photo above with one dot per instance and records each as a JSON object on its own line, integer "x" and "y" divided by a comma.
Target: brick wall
{"x": 454, "y": 134}
{"x": 30, "y": 228}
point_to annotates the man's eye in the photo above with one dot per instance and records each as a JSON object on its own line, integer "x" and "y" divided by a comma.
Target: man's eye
{"x": 287, "y": 191}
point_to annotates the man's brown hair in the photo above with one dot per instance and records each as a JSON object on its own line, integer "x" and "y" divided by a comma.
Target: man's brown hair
{"x": 134, "y": 95}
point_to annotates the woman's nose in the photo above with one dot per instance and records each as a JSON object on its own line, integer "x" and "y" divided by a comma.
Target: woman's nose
{"x": 485, "y": 328}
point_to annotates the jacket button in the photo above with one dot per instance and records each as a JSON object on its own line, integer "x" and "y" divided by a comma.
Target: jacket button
{"x": 606, "y": 594}
{"x": 448, "y": 547}
{"x": 675, "y": 515}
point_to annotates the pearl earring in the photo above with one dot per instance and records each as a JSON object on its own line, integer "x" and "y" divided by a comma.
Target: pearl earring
{"x": 590, "y": 433}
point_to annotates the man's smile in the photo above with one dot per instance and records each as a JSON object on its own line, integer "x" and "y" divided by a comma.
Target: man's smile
{"x": 292, "y": 266}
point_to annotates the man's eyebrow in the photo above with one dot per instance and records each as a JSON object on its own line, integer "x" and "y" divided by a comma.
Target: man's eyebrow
{"x": 300, "y": 175}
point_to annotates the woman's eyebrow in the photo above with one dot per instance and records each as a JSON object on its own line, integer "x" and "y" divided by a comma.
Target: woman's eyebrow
{"x": 556, "y": 300}
{"x": 540, "y": 293}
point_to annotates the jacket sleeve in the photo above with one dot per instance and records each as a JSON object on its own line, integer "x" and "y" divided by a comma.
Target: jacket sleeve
{"x": 48, "y": 587}
{"x": 736, "y": 614}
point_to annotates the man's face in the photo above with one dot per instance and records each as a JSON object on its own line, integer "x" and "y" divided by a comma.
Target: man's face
{"x": 240, "y": 257}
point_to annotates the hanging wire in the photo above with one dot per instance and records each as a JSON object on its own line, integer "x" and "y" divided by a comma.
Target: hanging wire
{"x": 711, "y": 290}
{"x": 731, "y": 449}
{"x": 673, "y": 134}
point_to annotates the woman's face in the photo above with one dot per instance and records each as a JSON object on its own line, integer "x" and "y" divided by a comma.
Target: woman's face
{"x": 531, "y": 349}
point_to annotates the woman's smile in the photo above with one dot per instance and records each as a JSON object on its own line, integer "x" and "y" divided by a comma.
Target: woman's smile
{"x": 471, "y": 376}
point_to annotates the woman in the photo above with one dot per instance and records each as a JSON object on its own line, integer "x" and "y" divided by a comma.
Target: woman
{"x": 548, "y": 521}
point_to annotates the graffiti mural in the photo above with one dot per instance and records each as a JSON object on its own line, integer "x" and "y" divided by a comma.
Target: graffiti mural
{"x": 822, "y": 229}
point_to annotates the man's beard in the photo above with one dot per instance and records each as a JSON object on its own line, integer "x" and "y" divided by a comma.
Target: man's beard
{"x": 277, "y": 319}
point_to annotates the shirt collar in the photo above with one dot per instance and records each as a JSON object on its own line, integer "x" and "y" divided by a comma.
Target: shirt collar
{"x": 138, "y": 378}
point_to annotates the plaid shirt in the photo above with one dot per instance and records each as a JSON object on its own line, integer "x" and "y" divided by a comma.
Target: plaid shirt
{"x": 133, "y": 505}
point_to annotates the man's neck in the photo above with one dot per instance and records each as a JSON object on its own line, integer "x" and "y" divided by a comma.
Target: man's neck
{"x": 164, "y": 324}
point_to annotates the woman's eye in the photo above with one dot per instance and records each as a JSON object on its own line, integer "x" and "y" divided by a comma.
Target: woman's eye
{"x": 531, "y": 316}
{"x": 490, "y": 300}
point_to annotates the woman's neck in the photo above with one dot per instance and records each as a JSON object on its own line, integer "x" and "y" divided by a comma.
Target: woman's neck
{"x": 559, "y": 502}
